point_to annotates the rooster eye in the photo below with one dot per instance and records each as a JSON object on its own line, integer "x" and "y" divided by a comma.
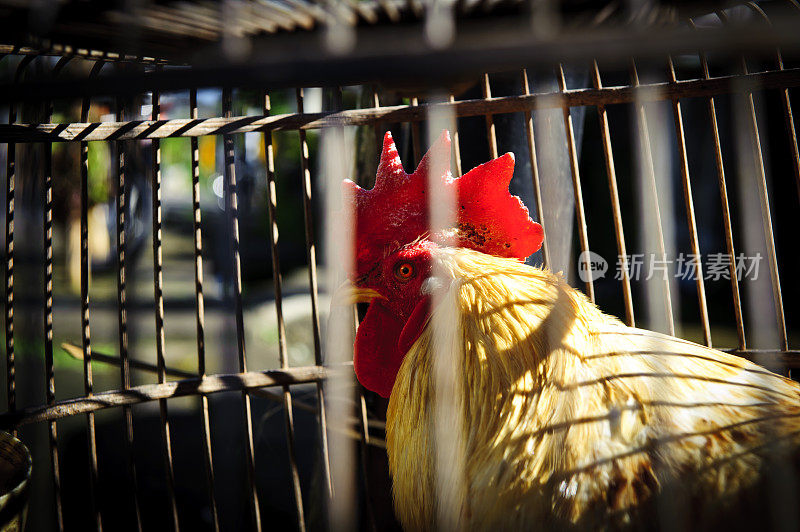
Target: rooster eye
{"x": 404, "y": 271}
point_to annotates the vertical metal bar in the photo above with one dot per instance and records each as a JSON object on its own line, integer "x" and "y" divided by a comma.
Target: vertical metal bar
{"x": 687, "y": 196}
{"x": 11, "y": 166}
{"x": 608, "y": 153}
{"x": 491, "y": 137}
{"x": 158, "y": 296}
{"x": 86, "y": 337}
{"x": 311, "y": 256}
{"x": 122, "y": 316}
{"x": 456, "y": 143}
{"x": 377, "y": 126}
{"x": 9, "y": 253}
{"x": 416, "y": 138}
{"x": 576, "y": 180}
{"x": 787, "y": 104}
{"x": 272, "y": 198}
{"x": 537, "y": 188}
{"x": 48, "y": 326}
{"x": 726, "y": 212}
{"x": 650, "y": 178}
{"x": 208, "y": 458}
{"x": 761, "y": 181}
{"x": 48, "y": 308}
{"x": 792, "y": 132}
{"x": 232, "y": 208}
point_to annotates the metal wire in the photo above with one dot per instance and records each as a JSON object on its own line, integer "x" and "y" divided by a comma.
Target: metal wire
{"x": 311, "y": 257}
{"x": 11, "y": 159}
{"x": 122, "y": 311}
{"x": 605, "y": 134}
{"x": 94, "y": 486}
{"x": 583, "y": 231}
{"x": 232, "y": 209}
{"x": 726, "y": 212}
{"x": 687, "y": 196}
{"x": 272, "y": 200}
{"x": 50, "y": 398}
{"x": 158, "y": 293}
{"x": 537, "y": 186}
{"x": 208, "y": 458}
{"x": 491, "y": 135}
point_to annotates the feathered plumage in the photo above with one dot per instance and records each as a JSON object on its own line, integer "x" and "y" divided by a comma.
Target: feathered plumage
{"x": 570, "y": 418}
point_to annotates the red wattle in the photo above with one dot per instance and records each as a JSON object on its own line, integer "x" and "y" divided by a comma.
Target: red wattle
{"x": 414, "y": 325}
{"x": 377, "y": 357}
{"x": 382, "y": 341}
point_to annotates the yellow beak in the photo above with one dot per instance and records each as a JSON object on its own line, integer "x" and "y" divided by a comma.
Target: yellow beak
{"x": 347, "y": 294}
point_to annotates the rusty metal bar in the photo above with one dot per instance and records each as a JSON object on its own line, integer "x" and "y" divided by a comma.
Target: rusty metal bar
{"x": 232, "y": 209}
{"x": 650, "y": 180}
{"x": 377, "y": 129}
{"x": 608, "y": 153}
{"x": 75, "y": 352}
{"x": 122, "y": 316}
{"x": 158, "y": 296}
{"x": 86, "y": 335}
{"x": 168, "y": 390}
{"x": 48, "y": 327}
{"x": 791, "y": 130}
{"x": 47, "y": 219}
{"x": 787, "y": 104}
{"x": 416, "y": 137}
{"x": 272, "y": 198}
{"x": 576, "y": 179}
{"x": 11, "y": 168}
{"x": 140, "y": 129}
{"x": 311, "y": 256}
{"x": 537, "y": 188}
{"x": 208, "y": 458}
{"x": 761, "y": 181}
{"x": 68, "y": 52}
{"x": 726, "y": 212}
{"x": 456, "y": 143}
{"x": 687, "y": 196}
{"x": 491, "y": 136}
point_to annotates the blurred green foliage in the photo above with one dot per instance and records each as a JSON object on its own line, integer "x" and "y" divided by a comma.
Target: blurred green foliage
{"x": 100, "y": 172}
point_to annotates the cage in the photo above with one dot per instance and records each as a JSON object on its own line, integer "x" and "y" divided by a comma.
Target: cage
{"x": 202, "y": 145}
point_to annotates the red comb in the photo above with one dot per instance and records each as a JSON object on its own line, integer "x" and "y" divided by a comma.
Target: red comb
{"x": 395, "y": 212}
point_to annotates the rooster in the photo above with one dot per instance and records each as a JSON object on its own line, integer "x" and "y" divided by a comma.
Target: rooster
{"x": 567, "y": 418}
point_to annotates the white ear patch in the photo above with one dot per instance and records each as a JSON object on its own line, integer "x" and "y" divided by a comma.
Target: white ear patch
{"x": 431, "y": 285}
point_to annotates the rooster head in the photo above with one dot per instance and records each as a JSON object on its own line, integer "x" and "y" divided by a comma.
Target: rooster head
{"x": 394, "y": 246}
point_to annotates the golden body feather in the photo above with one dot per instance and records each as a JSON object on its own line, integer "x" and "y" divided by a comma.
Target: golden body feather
{"x": 570, "y": 419}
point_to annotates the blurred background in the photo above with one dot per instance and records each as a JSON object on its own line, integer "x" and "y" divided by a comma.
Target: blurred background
{"x": 351, "y": 56}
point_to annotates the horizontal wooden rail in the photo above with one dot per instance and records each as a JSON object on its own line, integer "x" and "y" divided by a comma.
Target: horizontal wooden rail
{"x": 149, "y": 129}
